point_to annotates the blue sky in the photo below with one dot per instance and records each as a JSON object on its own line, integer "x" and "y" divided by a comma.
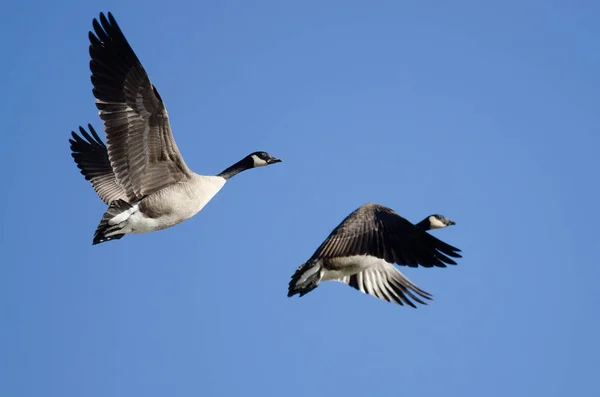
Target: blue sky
{"x": 487, "y": 114}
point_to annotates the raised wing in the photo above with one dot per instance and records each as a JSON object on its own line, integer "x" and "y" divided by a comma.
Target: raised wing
{"x": 141, "y": 148}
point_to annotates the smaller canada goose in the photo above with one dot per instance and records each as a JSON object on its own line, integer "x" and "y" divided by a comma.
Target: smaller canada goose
{"x": 140, "y": 173}
{"x": 361, "y": 251}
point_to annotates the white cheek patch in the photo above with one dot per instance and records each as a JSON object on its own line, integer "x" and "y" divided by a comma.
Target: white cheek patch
{"x": 436, "y": 223}
{"x": 258, "y": 162}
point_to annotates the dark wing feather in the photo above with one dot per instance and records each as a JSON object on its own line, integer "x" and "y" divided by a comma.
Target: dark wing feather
{"x": 378, "y": 231}
{"x": 91, "y": 157}
{"x": 410, "y": 245}
{"x": 141, "y": 148}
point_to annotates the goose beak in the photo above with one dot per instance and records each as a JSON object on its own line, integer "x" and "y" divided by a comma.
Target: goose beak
{"x": 274, "y": 160}
{"x": 450, "y": 223}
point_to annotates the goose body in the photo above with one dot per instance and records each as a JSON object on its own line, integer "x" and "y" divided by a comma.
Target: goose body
{"x": 169, "y": 206}
{"x": 139, "y": 173}
{"x": 362, "y": 249}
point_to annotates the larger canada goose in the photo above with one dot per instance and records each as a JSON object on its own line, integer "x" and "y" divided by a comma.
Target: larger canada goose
{"x": 362, "y": 249}
{"x": 140, "y": 173}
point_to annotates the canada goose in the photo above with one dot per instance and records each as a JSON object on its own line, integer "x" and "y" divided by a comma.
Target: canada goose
{"x": 140, "y": 173}
{"x": 361, "y": 251}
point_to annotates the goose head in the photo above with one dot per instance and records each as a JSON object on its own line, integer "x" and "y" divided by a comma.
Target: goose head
{"x": 437, "y": 221}
{"x": 253, "y": 160}
{"x": 260, "y": 159}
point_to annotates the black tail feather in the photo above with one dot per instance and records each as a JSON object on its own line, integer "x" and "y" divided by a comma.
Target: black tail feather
{"x": 306, "y": 278}
{"x": 114, "y": 209}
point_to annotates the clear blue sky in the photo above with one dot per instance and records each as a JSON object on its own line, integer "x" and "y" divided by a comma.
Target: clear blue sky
{"x": 487, "y": 114}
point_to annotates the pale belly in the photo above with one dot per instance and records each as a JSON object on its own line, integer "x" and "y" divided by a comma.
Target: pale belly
{"x": 171, "y": 206}
{"x": 337, "y": 268}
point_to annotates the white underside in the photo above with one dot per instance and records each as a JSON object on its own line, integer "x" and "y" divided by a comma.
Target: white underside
{"x": 374, "y": 276}
{"x": 351, "y": 265}
{"x": 174, "y": 204}
{"x": 135, "y": 222}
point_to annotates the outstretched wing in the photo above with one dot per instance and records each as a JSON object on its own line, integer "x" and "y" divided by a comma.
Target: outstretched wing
{"x": 141, "y": 148}
{"x": 91, "y": 157}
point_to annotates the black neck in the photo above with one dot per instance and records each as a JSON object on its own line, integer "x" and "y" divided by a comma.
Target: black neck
{"x": 242, "y": 165}
{"x": 424, "y": 224}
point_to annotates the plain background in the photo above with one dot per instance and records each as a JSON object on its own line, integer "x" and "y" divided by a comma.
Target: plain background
{"x": 485, "y": 112}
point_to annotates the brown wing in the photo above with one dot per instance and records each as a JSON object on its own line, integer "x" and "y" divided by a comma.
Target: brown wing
{"x": 141, "y": 148}
{"x": 379, "y": 231}
{"x": 91, "y": 157}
